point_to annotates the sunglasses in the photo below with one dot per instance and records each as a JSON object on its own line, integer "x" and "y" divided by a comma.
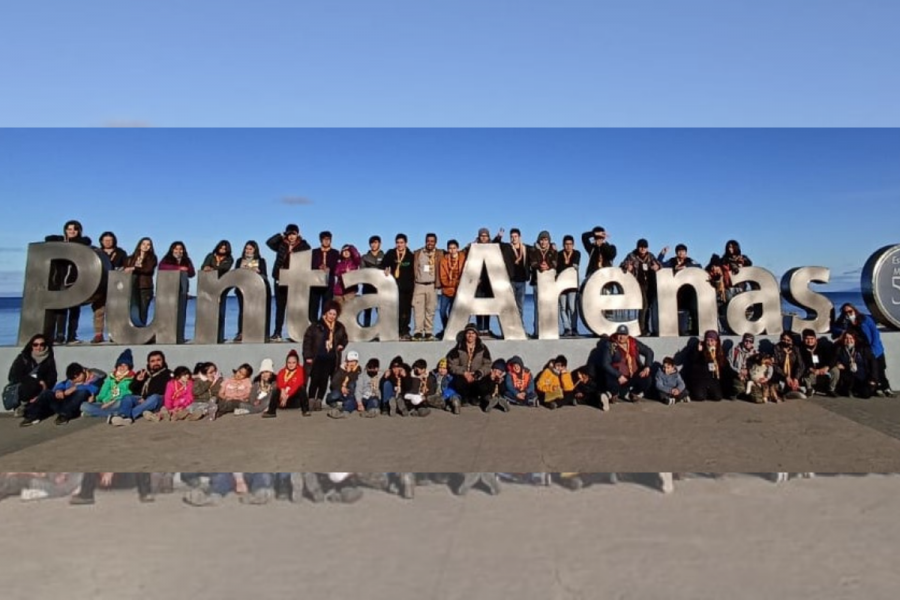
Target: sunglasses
{"x": 39, "y": 345}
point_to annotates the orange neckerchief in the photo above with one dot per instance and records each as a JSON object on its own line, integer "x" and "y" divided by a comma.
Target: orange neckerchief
{"x": 520, "y": 382}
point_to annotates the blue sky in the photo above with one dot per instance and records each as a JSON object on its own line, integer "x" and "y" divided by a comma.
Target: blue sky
{"x": 450, "y": 62}
{"x": 792, "y": 197}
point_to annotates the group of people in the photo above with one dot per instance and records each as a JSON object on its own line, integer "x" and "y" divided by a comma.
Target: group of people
{"x": 427, "y": 278}
{"x": 324, "y": 376}
{"x": 209, "y": 489}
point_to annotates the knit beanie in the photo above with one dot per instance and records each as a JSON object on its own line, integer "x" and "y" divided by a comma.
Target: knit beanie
{"x": 125, "y": 359}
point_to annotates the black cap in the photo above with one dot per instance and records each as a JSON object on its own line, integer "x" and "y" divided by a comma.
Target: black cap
{"x": 292, "y": 228}
{"x": 643, "y": 243}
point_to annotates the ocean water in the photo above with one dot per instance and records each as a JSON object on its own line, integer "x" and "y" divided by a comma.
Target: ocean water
{"x": 10, "y": 309}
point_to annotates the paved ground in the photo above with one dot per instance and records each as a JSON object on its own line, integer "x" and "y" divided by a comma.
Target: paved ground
{"x": 737, "y": 538}
{"x": 840, "y": 435}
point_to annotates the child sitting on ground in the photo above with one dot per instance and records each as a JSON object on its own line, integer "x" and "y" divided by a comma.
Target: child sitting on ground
{"x": 670, "y": 384}
{"x": 519, "y": 383}
{"x": 496, "y": 385}
{"x": 178, "y": 399}
{"x": 439, "y": 389}
{"x": 412, "y": 400}
{"x": 370, "y": 395}
{"x": 555, "y": 387}
{"x": 343, "y": 389}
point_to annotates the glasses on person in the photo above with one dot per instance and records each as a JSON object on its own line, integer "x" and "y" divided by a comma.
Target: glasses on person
{"x": 39, "y": 345}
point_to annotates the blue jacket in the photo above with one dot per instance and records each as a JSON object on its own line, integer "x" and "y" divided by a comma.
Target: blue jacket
{"x": 665, "y": 381}
{"x": 92, "y": 386}
{"x": 866, "y": 325}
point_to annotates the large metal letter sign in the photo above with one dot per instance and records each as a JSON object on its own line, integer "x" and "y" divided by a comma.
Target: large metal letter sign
{"x": 211, "y": 290}
{"x": 37, "y": 298}
{"x": 881, "y": 285}
{"x": 386, "y": 300}
{"x": 166, "y": 317}
{"x": 298, "y": 278}
{"x": 593, "y": 303}
{"x": 503, "y": 304}
{"x": 549, "y": 289}
{"x": 795, "y": 288}
{"x": 767, "y": 295}
{"x": 667, "y": 285}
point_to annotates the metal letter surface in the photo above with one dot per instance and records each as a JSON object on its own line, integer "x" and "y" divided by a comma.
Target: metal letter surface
{"x": 166, "y": 317}
{"x": 796, "y": 290}
{"x": 385, "y": 299}
{"x": 298, "y": 278}
{"x": 210, "y": 289}
{"x": 503, "y": 304}
{"x": 593, "y": 303}
{"x": 549, "y": 289}
{"x": 37, "y": 298}
{"x": 770, "y": 321}
{"x": 667, "y": 285}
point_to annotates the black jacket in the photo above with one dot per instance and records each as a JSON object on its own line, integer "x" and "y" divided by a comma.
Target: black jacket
{"x": 598, "y": 256}
{"x": 24, "y": 364}
{"x": 277, "y": 245}
{"x": 315, "y": 336}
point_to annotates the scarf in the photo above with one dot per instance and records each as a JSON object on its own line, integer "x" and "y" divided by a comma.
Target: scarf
{"x": 520, "y": 382}
{"x": 630, "y": 362}
{"x": 715, "y": 363}
{"x": 400, "y": 257}
{"x": 329, "y": 341}
{"x": 40, "y": 356}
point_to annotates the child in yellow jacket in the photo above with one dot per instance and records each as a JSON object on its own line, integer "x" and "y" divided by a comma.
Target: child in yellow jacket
{"x": 554, "y": 385}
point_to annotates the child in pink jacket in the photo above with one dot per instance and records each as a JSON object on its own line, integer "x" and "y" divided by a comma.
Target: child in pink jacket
{"x": 179, "y": 397}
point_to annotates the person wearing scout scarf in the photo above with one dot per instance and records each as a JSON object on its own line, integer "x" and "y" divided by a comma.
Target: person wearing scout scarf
{"x": 554, "y": 385}
{"x": 449, "y": 275}
{"x": 568, "y": 258}
{"x": 283, "y": 245}
{"x": 789, "y": 368}
{"x": 542, "y": 257}
{"x": 857, "y": 367}
{"x": 399, "y": 263}
{"x": 290, "y": 391}
{"x": 116, "y": 386}
{"x": 818, "y": 358}
{"x": 323, "y": 344}
{"x": 517, "y": 256}
{"x": 344, "y": 396}
{"x": 427, "y": 264}
{"x": 439, "y": 389}
{"x": 626, "y": 366}
{"x": 707, "y": 366}
{"x": 470, "y": 363}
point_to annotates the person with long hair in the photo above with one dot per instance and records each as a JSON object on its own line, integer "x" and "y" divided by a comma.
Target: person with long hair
{"x": 290, "y": 389}
{"x": 142, "y": 265}
{"x": 33, "y": 371}
{"x": 114, "y": 259}
{"x": 62, "y": 327}
{"x": 177, "y": 259}
{"x": 323, "y": 344}
{"x": 219, "y": 260}
{"x": 851, "y": 319}
{"x": 252, "y": 261}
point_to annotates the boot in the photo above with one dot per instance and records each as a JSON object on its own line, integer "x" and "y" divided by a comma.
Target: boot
{"x": 455, "y": 406}
{"x": 422, "y": 411}
{"x": 493, "y": 401}
{"x": 313, "y": 487}
{"x": 402, "y": 408}
{"x": 504, "y": 404}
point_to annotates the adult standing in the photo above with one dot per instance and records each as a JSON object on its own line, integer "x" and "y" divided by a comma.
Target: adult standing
{"x": 284, "y": 245}
{"x": 427, "y": 264}
{"x": 142, "y": 265}
{"x": 324, "y": 258}
{"x": 63, "y": 273}
{"x": 219, "y": 260}
{"x": 568, "y": 258}
{"x": 323, "y": 343}
{"x": 399, "y": 263}
{"x": 251, "y": 260}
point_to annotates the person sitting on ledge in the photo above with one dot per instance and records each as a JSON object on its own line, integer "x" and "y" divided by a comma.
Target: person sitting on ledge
{"x": 519, "y": 383}
{"x": 469, "y": 362}
{"x": 626, "y": 365}
{"x": 66, "y": 397}
{"x": 554, "y": 385}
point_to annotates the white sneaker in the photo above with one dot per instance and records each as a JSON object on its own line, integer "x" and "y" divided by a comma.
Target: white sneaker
{"x": 241, "y": 411}
{"x": 667, "y": 483}
{"x": 30, "y": 494}
{"x": 118, "y": 421}
{"x": 604, "y": 401}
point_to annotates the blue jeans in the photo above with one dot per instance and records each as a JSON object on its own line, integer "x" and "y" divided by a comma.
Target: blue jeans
{"x": 530, "y": 399}
{"x": 46, "y": 405}
{"x": 446, "y": 305}
{"x": 387, "y": 392}
{"x": 223, "y": 483}
{"x": 519, "y": 288}
{"x": 92, "y": 409}
{"x": 132, "y": 407}
{"x": 568, "y": 310}
{"x": 349, "y": 403}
